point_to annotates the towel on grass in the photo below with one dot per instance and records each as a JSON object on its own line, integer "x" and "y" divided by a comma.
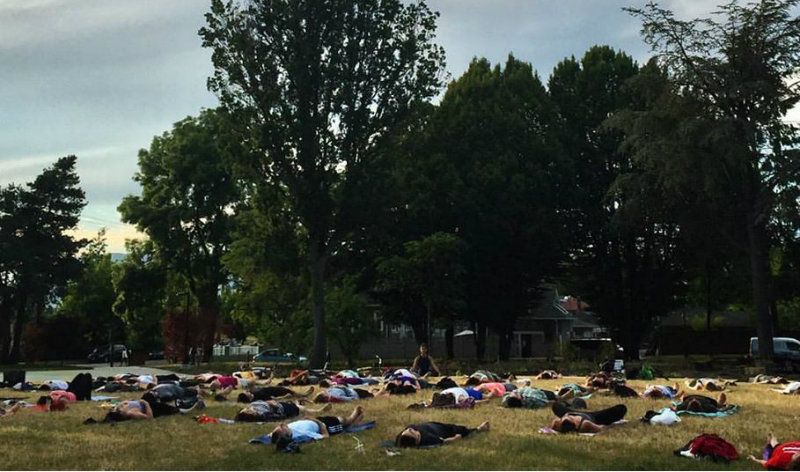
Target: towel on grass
{"x": 719, "y": 414}
{"x": 266, "y": 439}
{"x": 102, "y": 398}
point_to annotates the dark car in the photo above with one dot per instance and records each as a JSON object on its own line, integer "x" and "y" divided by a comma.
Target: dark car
{"x": 102, "y": 353}
{"x": 275, "y": 355}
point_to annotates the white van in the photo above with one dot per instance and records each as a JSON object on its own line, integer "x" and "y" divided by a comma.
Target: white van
{"x": 787, "y": 350}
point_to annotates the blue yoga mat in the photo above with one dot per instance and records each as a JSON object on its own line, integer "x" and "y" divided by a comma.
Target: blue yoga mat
{"x": 718, "y": 414}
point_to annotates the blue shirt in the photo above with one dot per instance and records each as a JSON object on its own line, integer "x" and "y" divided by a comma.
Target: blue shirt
{"x": 474, "y": 394}
{"x": 304, "y": 431}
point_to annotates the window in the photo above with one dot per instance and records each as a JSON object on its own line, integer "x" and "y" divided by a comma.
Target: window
{"x": 793, "y": 346}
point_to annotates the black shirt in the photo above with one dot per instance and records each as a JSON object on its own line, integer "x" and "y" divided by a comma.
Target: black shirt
{"x": 433, "y": 433}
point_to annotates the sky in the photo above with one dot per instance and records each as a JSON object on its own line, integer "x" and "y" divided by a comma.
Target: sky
{"x": 100, "y": 78}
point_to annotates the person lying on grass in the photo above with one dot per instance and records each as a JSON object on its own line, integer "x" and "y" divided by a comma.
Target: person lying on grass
{"x": 10, "y": 411}
{"x": 271, "y": 410}
{"x": 548, "y": 375}
{"x": 768, "y": 379}
{"x": 482, "y": 376}
{"x": 454, "y": 397}
{"x": 399, "y": 387}
{"x": 341, "y": 394}
{"x": 791, "y": 389}
{"x": 662, "y": 391}
{"x": 708, "y": 384}
{"x": 434, "y": 433}
{"x": 531, "y": 397}
{"x": 147, "y": 408}
{"x": 572, "y": 390}
{"x": 56, "y": 401}
{"x": 619, "y": 389}
{"x": 311, "y": 428}
{"x": 276, "y": 392}
{"x": 779, "y": 456}
{"x": 570, "y": 420}
{"x": 702, "y": 403}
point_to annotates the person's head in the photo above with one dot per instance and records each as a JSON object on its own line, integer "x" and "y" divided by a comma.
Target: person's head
{"x": 324, "y": 383}
{"x": 472, "y": 381}
{"x": 512, "y": 401}
{"x": 391, "y": 387}
{"x": 43, "y": 400}
{"x": 321, "y": 397}
{"x": 246, "y": 415}
{"x": 443, "y": 399}
{"x": 150, "y": 386}
{"x": 409, "y": 437}
{"x": 564, "y": 426}
{"x": 245, "y": 397}
{"x": 114, "y": 416}
{"x": 281, "y": 436}
{"x": 215, "y": 385}
{"x": 423, "y": 349}
{"x": 150, "y": 397}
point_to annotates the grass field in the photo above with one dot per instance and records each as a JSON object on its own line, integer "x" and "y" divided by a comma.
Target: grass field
{"x": 31, "y": 440}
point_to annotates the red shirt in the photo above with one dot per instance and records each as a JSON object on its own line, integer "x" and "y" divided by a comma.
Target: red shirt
{"x": 226, "y": 381}
{"x": 782, "y": 455}
{"x": 57, "y": 395}
{"x": 496, "y": 388}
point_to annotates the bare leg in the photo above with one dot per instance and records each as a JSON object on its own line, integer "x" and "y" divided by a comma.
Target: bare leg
{"x": 305, "y": 409}
{"x": 483, "y": 426}
{"x": 722, "y": 399}
{"x": 355, "y": 417}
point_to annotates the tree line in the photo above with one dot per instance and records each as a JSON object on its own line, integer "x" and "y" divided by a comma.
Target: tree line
{"x": 330, "y": 184}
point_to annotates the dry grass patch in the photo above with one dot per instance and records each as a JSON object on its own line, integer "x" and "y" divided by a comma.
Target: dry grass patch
{"x": 59, "y": 441}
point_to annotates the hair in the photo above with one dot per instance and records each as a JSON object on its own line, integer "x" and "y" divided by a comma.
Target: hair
{"x": 321, "y": 397}
{"x": 423, "y": 346}
{"x": 114, "y": 416}
{"x": 566, "y": 426}
{"x": 472, "y": 381}
{"x": 44, "y": 400}
{"x": 443, "y": 399}
{"x": 246, "y": 416}
{"x": 281, "y": 441}
{"x": 243, "y": 398}
{"x": 363, "y": 393}
{"x": 150, "y": 397}
{"x": 513, "y": 402}
{"x": 324, "y": 383}
{"x": 391, "y": 387}
{"x": 404, "y": 440}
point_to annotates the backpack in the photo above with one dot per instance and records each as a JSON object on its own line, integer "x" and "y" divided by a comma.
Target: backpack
{"x": 710, "y": 445}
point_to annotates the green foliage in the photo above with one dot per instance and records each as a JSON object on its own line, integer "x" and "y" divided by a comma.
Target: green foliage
{"x": 351, "y": 317}
{"x": 140, "y": 282}
{"x": 91, "y": 296}
{"x": 731, "y": 83}
{"x": 427, "y": 275}
{"x": 37, "y": 253}
{"x": 314, "y": 86}
{"x": 186, "y": 203}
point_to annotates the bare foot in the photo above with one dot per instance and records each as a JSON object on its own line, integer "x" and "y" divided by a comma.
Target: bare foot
{"x": 484, "y": 426}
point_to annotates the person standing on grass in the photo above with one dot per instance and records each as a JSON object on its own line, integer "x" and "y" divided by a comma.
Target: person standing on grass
{"x": 434, "y": 434}
{"x": 124, "y": 357}
{"x": 424, "y": 364}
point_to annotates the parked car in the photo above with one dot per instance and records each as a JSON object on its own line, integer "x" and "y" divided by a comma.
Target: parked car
{"x": 274, "y": 355}
{"x": 787, "y": 351}
{"x": 157, "y": 354}
{"x": 102, "y": 353}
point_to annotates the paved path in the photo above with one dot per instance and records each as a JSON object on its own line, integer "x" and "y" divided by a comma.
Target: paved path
{"x": 97, "y": 370}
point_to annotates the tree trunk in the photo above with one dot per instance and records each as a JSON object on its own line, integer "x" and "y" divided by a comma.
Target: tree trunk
{"x": 209, "y": 316}
{"x": 428, "y": 327}
{"x": 5, "y": 328}
{"x": 19, "y": 323}
{"x": 449, "y": 339}
{"x": 316, "y": 263}
{"x": 504, "y": 350}
{"x": 759, "y": 271}
{"x": 480, "y": 341}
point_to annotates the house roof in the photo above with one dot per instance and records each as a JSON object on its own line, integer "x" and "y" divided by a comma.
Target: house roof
{"x": 571, "y": 303}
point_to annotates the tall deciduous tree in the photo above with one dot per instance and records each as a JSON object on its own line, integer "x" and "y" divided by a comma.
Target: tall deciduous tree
{"x": 186, "y": 206}
{"x": 493, "y": 133}
{"x": 316, "y": 83}
{"x": 740, "y": 69}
